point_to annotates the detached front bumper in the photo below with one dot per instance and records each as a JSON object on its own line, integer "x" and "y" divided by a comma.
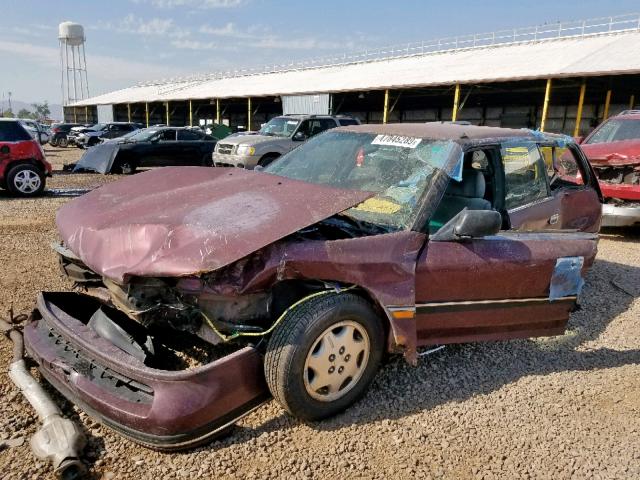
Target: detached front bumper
{"x": 230, "y": 160}
{"x": 161, "y": 409}
{"x": 620, "y": 216}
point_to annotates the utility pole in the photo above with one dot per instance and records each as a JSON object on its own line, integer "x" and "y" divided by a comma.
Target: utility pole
{"x": 10, "y": 109}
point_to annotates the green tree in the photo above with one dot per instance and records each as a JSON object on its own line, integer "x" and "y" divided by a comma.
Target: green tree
{"x": 42, "y": 110}
{"x": 8, "y": 113}
{"x": 24, "y": 113}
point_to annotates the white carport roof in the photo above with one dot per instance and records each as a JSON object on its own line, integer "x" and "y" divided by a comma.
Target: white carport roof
{"x": 604, "y": 54}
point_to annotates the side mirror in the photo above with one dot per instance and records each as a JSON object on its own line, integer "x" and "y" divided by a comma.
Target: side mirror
{"x": 470, "y": 224}
{"x": 299, "y": 137}
{"x": 258, "y": 168}
{"x": 578, "y": 140}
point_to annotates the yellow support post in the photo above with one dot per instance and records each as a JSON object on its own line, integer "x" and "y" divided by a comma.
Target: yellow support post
{"x": 456, "y": 103}
{"x": 129, "y": 112}
{"x": 190, "y": 114}
{"x": 632, "y": 102}
{"x": 249, "y": 113}
{"x": 218, "y": 111}
{"x": 385, "y": 112}
{"x": 545, "y": 105}
{"x": 583, "y": 89}
{"x": 86, "y": 114}
{"x": 75, "y": 115}
{"x": 607, "y": 104}
{"x": 146, "y": 112}
{"x": 167, "y": 107}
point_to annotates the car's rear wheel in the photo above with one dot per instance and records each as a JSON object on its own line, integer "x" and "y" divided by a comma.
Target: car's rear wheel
{"x": 207, "y": 160}
{"x": 63, "y": 142}
{"x": 53, "y": 142}
{"x": 25, "y": 180}
{"x": 323, "y": 355}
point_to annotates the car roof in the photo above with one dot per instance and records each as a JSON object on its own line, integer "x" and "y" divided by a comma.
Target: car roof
{"x": 442, "y": 131}
{"x": 3, "y": 119}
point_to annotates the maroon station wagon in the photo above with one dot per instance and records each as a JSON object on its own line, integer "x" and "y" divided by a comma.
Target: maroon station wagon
{"x": 201, "y": 292}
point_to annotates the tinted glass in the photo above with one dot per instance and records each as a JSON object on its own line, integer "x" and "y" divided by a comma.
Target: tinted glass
{"x": 347, "y": 121}
{"x": 189, "y": 135}
{"x": 13, "y": 132}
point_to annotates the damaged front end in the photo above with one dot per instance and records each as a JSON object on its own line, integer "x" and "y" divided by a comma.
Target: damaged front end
{"x": 619, "y": 178}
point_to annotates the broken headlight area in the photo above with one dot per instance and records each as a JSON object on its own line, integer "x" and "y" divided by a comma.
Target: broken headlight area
{"x": 616, "y": 175}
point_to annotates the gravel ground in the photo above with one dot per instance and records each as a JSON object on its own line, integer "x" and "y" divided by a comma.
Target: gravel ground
{"x": 562, "y": 407}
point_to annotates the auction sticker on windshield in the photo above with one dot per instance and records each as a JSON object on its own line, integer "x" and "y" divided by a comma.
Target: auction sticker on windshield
{"x": 396, "y": 141}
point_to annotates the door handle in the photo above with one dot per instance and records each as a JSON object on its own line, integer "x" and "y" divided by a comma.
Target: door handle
{"x": 553, "y": 219}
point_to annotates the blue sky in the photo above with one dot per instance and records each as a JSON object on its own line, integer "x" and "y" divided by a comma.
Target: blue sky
{"x": 133, "y": 40}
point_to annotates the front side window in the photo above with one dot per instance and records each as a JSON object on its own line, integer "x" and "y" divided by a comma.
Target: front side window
{"x": 525, "y": 174}
{"x": 399, "y": 170}
{"x": 562, "y": 167}
{"x": 616, "y": 131}
{"x": 167, "y": 135}
{"x": 188, "y": 135}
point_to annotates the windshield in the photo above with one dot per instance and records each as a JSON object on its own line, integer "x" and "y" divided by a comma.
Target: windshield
{"x": 399, "y": 170}
{"x": 98, "y": 127}
{"x": 279, "y": 127}
{"x": 141, "y": 135}
{"x": 617, "y": 131}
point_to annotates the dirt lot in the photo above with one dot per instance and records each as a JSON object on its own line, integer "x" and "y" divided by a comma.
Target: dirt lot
{"x": 564, "y": 407}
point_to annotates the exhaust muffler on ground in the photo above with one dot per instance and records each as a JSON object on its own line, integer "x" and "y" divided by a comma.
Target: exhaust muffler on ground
{"x": 58, "y": 440}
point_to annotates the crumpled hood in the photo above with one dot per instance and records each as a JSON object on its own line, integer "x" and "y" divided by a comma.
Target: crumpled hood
{"x": 178, "y": 221}
{"x": 626, "y": 152}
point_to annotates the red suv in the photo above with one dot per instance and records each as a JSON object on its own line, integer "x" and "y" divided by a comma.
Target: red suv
{"x": 23, "y": 166}
{"x": 614, "y": 151}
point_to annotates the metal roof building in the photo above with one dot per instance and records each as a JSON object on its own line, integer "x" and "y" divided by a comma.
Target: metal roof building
{"x": 487, "y": 71}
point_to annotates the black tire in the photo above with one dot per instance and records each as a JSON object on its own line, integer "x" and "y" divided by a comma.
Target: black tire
{"x": 299, "y": 332}
{"x": 93, "y": 141}
{"x": 62, "y": 142}
{"x": 53, "y": 142}
{"x": 17, "y": 182}
{"x": 207, "y": 160}
{"x": 267, "y": 159}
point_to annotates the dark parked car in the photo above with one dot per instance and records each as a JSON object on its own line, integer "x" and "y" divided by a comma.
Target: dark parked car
{"x": 614, "y": 151}
{"x": 103, "y": 131}
{"x": 59, "y": 132}
{"x": 150, "y": 147}
{"x": 202, "y": 291}
{"x": 23, "y": 166}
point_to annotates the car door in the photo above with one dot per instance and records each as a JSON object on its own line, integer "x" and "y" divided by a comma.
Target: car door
{"x": 511, "y": 285}
{"x": 189, "y": 148}
{"x": 165, "y": 148}
{"x": 538, "y": 199}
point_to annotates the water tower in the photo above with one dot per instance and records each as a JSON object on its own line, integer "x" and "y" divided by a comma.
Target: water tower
{"x": 75, "y": 85}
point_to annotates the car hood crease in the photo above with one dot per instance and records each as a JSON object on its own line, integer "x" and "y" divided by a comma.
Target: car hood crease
{"x": 188, "y": 220}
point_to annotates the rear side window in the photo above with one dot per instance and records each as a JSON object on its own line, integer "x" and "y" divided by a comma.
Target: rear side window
{"x": 13, "y": 132}
{"x": 347, "y": 121}
{"x": 525, "y": 174}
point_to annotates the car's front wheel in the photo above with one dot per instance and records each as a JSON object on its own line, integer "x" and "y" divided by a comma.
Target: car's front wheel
{"x": 62, "y": 142}
{"x": 323, "y": 355}
{"x": 25, "y": 180}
